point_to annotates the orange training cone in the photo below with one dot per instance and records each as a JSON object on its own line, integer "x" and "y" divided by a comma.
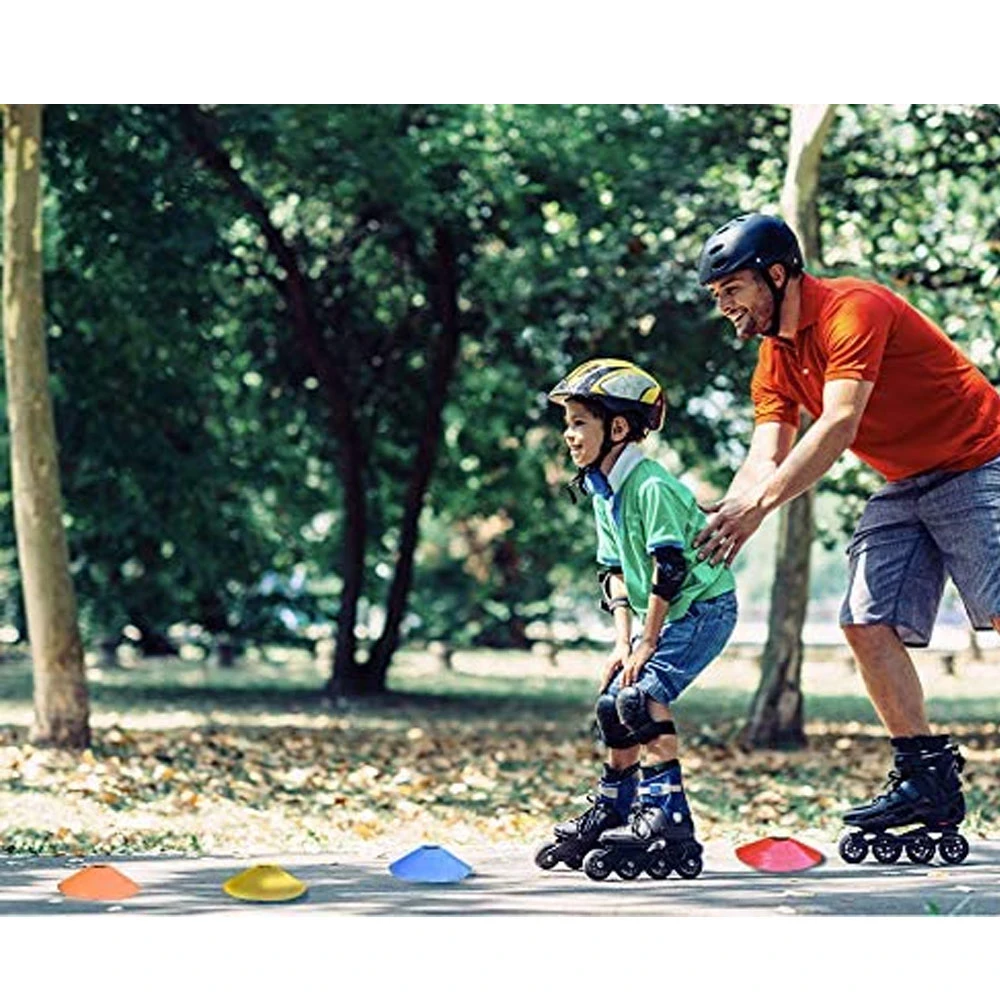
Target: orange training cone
{"x": 265, "y": 884}
{"x": 779, "y": 855}
{"x": 101, "y": 883}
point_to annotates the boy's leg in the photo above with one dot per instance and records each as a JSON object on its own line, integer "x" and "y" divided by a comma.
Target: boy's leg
{"x": 623, "y": 751}
{"x": 612, "y": 801}
{"x": 660, "y": 837}
{"x": 664, "y": 747}
{"x": 685, "y": 648}
{"x": 609, "y": 808}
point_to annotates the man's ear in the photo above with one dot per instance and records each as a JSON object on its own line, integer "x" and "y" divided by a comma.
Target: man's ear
{"x": 619, "y": 429}
{"x": 779, "y": 275}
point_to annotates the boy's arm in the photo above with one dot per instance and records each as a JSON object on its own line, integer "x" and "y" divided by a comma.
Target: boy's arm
{"x": 669, "y": 570}
{"x": 656, "y": 615}
{"x": 615, "y": 600}
{"x": 617, "y": 594}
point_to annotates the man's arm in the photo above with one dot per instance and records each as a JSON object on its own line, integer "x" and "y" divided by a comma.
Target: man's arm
{"x": 737, "y": 517}
{"x": 769, "y": 447}
{"x": 844, "y": 402}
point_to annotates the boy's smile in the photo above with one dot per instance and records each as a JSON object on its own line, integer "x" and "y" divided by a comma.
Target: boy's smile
{"x": 584, "y": 433}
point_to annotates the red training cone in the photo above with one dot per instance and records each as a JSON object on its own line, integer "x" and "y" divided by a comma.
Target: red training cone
{"x": 101, "y": 883}
{"x": 779, "y": 854}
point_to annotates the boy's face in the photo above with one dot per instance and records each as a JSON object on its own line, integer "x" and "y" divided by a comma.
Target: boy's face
{"x": 584, "y": 433}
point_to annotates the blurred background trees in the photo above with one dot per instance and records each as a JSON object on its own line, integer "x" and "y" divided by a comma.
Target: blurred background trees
{"x": 299, "y": 354}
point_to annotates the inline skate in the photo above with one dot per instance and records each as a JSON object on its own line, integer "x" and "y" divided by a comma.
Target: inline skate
{"x": 924, "y": 795}
{"x": 609, "y": 808}
{"x": 659, "y": 838}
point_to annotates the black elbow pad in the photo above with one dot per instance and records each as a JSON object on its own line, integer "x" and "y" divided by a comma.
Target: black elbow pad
{"x": 671, "y": 569}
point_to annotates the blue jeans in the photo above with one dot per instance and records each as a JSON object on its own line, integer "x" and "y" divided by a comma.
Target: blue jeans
{"x": 685, "y": 647}
{"x": 911, "y": 533}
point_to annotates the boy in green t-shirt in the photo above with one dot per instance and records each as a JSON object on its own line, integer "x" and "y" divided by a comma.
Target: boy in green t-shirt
{"x": 646, "y": 525}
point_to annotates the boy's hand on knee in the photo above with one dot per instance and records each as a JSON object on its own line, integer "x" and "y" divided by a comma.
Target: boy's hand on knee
{"x": 614, "y": 663}
{"x": 637, "y": 659}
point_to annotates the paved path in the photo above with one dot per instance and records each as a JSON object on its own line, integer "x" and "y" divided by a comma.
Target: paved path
{"x": 506, "y": 882}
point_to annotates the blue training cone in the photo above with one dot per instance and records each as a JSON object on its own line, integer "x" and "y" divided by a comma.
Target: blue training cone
{"x": 430, "y": 863}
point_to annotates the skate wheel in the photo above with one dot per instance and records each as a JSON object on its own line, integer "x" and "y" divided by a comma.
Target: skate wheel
{"x": 953, "y": 848}
{"x": 628, "y": 868}
{"x": 659, "y": 866}
{"x": 887, "y": 849}
{"x": 547, "y": 856}
{"x": 689, "y": 867}
{"x": 853, "y": 848}
{"x": 595, "y": 865}
{"x": 919, "y": 848}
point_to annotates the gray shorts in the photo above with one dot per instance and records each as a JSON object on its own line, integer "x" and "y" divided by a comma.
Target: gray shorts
{"x": 912, "y": 533}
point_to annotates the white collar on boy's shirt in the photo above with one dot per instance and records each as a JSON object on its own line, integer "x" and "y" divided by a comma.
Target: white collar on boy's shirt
{"x": 630, "y": 457}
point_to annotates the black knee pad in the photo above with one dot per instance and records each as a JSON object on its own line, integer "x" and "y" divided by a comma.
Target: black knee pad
{"x": 615, "y": 734}
{"x": 633, "y": 710}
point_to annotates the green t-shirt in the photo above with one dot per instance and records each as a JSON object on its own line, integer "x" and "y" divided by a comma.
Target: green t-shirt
{"x": 650, "y": 508}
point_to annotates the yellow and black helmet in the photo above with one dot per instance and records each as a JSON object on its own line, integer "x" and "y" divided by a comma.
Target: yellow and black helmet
{"x": 619, "y": 385}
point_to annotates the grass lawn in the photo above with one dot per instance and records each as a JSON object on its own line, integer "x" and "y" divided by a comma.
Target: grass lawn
{"x": 194, "y": 758}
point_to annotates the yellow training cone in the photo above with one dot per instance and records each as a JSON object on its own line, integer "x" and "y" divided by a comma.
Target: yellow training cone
{"x": 99, "y": 883}
{"x": 265, "y": 884}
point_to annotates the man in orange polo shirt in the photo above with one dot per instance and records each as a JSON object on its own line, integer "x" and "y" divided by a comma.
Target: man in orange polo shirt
{"x": 881, "y": 379}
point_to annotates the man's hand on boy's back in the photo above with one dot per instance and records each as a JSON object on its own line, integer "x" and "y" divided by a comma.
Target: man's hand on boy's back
{"x": 615, "y": 662}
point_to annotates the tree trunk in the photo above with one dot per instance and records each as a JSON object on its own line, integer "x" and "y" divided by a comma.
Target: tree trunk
{"x": 776, "y": 717}
{"x": 444, "y": 295}
{"x": 776, "y": 713}
{"x": 60, "y": 689}
{"x": 348, "y": 677}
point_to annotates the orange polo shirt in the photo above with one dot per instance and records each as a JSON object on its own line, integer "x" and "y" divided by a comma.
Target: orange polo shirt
{"x": 930, "y": 409}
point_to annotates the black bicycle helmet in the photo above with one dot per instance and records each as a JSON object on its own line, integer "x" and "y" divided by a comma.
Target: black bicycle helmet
{"x": 756, "y": 241}
{"x": 752, "y": 241}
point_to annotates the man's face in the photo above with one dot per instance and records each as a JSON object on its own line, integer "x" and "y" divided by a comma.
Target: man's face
{"x": 745, "y": 300}
{"x": 584, "y": 433}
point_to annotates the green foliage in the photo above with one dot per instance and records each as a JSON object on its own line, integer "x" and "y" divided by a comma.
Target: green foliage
{"x": 167, "y": 440}
{"x": 604, "y": 208}
{"x": 200, "y": 466}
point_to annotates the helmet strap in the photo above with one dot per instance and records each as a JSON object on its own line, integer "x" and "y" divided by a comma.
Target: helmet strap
{"x": 576, "y": 483}
{"x": 777, "y": 297}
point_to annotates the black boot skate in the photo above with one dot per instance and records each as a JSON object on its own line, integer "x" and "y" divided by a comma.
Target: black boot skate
{"x": 609, "y": 809}
{"x": 924, "y": 791}
{"x": 658, "y": 840}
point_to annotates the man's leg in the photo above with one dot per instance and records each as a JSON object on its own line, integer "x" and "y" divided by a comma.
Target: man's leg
{"x": 890, "y": 677}
{"x": 924, "y": 785}
{"x": 963, "y": 517}
{"x": 896, "y": 579}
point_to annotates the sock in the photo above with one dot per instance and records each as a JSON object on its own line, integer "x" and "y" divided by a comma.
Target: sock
{"x": 620, "y": 787}
{"x": 920, "y": 744}
{"x": 662, "y": 786}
